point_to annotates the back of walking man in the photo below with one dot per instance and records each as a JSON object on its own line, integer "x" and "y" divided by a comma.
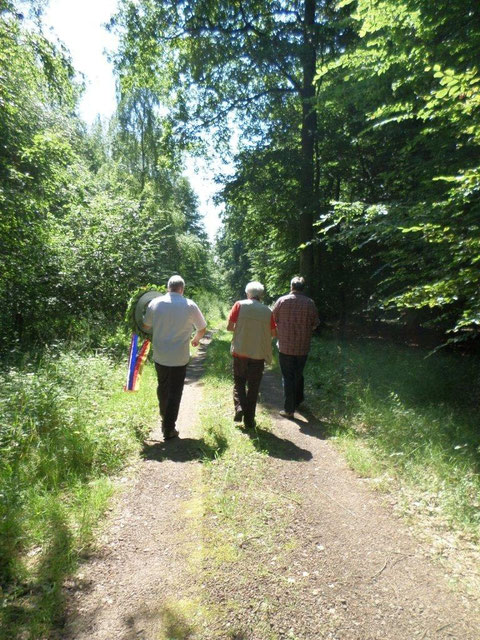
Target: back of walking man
{"x": 172, "y": 319}
{"x": 253, "y": 327}
{"x": 296, "y": 317}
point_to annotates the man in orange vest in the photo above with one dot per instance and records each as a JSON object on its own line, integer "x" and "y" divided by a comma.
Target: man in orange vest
{"x": 253, "y": 327}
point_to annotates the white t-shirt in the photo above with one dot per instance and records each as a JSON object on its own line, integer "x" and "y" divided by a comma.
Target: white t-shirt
{"x": 172, "y": 319}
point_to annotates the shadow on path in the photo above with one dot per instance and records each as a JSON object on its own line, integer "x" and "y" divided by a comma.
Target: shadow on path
{"x": 170, "y": 623}
{"x": 277, "y": 447}
{"x": 182, "y": 449}
{"x": 310, "y": 425}
{"x": 272, "y": 399}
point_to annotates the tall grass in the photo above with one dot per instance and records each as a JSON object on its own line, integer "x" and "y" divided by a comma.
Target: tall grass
{"x": 65, "y": 426}
{"x": 396, "y": 411}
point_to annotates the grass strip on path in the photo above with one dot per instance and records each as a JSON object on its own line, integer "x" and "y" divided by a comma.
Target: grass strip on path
{"x": 403, "y": 419}
{"x": 244, "y": 520}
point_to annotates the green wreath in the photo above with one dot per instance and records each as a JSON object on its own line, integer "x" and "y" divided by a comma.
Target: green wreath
{"x": 136, "y": 307}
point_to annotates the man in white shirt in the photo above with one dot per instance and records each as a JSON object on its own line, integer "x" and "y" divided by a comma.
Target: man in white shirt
{"x": 172, "y": 318}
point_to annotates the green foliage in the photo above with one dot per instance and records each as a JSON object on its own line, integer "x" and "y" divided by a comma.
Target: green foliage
{"x": 36, "y": 97}
{"x": 261, "y": 232}
{"x": 209, "y": 64}
{"x": 405, "y": 92}
{"x": 65, "y": 426}
{"x": 86, "y": 216}
{"x": 130, "y": 320}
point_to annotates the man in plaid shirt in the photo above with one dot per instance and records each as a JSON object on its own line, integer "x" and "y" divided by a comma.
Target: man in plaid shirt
{"x": 296, "y": 317}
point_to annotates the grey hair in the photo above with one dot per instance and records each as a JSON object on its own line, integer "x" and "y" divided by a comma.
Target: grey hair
{"x": 175, "y": 283}
{"x": 297, "y": 283}
{"x": 254, "y": 289}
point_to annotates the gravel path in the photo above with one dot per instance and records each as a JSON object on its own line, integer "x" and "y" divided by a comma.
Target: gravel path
{"x": 367, "y": 577}
{"x": 356, "y": 573}
{"x": 142, "y": 558}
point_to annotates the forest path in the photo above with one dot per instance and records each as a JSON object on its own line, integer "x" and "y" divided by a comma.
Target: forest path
{"x": 123, "y": 590}
{"x": 352, "y": 570}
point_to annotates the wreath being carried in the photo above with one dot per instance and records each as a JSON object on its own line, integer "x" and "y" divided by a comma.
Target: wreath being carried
{"x": 134, "y": 315}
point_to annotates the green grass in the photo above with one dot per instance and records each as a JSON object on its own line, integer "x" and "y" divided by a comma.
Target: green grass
{"x": 66, "y": 427}
{"x": 396, "y": 412}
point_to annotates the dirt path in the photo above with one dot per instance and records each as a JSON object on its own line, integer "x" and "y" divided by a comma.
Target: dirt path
{"x": 353, "y": 573}
{"x": 359, "y": 574}
{"x": 123, "y": 591}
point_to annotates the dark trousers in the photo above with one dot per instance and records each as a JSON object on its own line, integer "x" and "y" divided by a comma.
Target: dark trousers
{"x": 247, "y": 376}
{"x": 292, "y": 373}
{"x": 169, "y": 393}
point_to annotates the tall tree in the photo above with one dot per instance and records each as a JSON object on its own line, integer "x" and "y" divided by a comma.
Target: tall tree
{"x": 85, "y": 217}
{"x": 406, "y": 95}
{"x": 247, "y": 58}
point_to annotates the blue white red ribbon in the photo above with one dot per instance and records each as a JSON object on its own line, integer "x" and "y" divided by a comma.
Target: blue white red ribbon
{"x": 136, "y": 360}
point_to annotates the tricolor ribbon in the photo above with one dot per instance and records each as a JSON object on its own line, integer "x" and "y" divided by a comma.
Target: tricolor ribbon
{"x": 136, "y": 360}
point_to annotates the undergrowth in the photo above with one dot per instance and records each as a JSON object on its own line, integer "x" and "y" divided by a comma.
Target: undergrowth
{"x": 399, "y": 413}
{"x": 65, "y": 427}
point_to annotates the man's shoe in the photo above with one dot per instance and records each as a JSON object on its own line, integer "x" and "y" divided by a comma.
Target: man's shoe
{"x": 250, "y": 424}
{"x": 286, "y": 414}
{"x": 238, "y": 416}
{"x": 169, "y": 435}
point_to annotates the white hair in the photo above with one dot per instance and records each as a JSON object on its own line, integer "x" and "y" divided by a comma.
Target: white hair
{"x": 254, "y": 289}
{"x": 175, "y": 283}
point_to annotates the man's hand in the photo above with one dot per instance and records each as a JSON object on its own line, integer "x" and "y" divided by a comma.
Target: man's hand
{"x": 197, "y": 337}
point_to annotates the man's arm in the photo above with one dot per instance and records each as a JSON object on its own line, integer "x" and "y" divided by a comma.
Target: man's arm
{"x": 200, "y": 324}
{"x": 198, "y": 336}
{"x": 233, "y": 317}
{"x": 273, "y": 326}
{"x": 147, "y": 321}
{"x": 275, "y": 309}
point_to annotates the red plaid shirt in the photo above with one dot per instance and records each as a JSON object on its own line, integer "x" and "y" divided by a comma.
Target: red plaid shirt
{"x": 296, "y": 317}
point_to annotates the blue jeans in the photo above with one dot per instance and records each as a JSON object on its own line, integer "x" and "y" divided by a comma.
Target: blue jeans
{"x": 292, "y": 373}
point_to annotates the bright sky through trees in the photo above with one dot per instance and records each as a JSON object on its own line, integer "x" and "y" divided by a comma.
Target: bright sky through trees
{"x": 80, "y": 26}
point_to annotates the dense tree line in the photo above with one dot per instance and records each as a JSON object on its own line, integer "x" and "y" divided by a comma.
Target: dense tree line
{"x": 86, "y": 215}
{"x": 403, "y": 155}
{"x": 357, "y": 165}
{"x": 358, "y": 157}
{"x": 397, "y": 140}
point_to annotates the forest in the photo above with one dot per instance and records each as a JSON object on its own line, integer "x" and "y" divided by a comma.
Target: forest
{"x": 356, "y": 165}
{"x": 357, "y": 162}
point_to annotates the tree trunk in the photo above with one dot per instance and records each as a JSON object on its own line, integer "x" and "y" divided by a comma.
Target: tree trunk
{"x": 309, "y": 127}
